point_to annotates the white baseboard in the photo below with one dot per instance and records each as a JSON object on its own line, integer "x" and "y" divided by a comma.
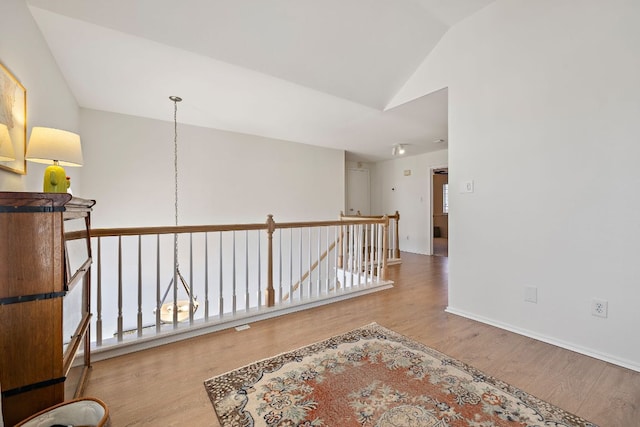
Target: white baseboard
{"x": 549, "y": 340}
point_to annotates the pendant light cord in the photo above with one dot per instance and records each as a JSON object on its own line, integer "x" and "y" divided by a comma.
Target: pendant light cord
{"x": 175, "y": 154}
{"x": 175, "y": 100}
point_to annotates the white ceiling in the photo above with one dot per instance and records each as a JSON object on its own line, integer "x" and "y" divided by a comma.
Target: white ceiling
{"x": 315, "y": 72}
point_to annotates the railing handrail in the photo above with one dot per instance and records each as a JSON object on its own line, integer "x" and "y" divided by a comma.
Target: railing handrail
{"x": 172, "y": 229}
{"x": 395, "y": 216}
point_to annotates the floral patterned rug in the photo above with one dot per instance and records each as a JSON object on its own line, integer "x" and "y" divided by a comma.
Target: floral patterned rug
{"x": 374, "y": 377}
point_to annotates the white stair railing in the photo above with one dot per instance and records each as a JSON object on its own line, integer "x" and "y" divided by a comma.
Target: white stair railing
{"x": 393, "y": 233}
{"x": 234, "y": 272}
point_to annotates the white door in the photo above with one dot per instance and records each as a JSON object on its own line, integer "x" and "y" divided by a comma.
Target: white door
{"x": 358, "y": 192}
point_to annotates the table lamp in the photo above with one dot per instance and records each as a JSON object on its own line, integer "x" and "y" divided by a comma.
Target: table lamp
{"x": 57, "y": 148}
{"x": 6, "y": 146}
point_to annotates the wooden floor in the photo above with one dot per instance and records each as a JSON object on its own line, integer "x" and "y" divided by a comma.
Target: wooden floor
{"x": 163, "y": 386}
{"x": 440, "y": 246}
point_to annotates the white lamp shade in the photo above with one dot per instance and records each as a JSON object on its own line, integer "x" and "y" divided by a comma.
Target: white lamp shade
{"x": 47, "y": 145}
{"x": 6, "y": 146}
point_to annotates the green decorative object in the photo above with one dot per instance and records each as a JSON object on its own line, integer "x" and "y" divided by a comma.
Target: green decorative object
{"x": 55, "y": 180}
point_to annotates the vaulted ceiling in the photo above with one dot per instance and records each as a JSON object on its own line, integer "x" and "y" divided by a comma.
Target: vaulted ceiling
{"x": 309, "y": 71}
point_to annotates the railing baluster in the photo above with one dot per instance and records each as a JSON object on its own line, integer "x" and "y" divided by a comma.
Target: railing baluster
{"x": 381, "y": 250}
{"x": 310, "y": 285}
{"x": 291, "y": 265}
{"x": 99, "y": 296}
{"x": 158, "y": 302}
{"x": 119, "y": 331}
{"x": 345, "y": 254}
{"x": 390, "y": 242}
{"x": 280, "y": 266}
{"x": 385, "y": 243}
{"x": 319, "y": 269}
{"x": 191, "y": 279}
{"x": 139, "y": 286}
{"x": 360, "y": 249}
{"x": 300, "y": 271}
{"x": 340, "y": 251}
{"x": 336, "y": 255}
{"x": 328, "y": 272}
{"x": 367, "y": 250}
{"x": 352, "y": 252}
{"x": 221, "y": 294}
{"x": 206, "y": 276}
{"x": 246, "y": 270}
{"x": 374, "y": 252}
{"x": 260, "y": 274}
{"x": 397, "y": 233}
{"x": 233, "y": 276}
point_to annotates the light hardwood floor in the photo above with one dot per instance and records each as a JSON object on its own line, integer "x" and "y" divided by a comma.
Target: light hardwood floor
{"x": 164, "y": 386}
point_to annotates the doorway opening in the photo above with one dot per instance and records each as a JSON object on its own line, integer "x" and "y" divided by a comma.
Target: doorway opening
{"x": 440, "y": 211}
{"x": 358, "y": 192}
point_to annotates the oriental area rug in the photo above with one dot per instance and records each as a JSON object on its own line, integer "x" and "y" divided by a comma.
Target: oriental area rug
{"x": 374, "y": 377}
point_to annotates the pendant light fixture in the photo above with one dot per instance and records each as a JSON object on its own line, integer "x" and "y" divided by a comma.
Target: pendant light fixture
{"x": 177, "y": 311}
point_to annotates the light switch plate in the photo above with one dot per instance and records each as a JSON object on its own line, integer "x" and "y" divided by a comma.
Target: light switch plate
{"x": 466, "y": 187}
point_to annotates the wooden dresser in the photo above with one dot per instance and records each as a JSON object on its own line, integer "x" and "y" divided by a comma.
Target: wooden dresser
{"x": 45, "y": 262}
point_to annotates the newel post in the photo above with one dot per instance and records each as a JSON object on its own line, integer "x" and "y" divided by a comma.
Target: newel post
{"x": 270, "y": 293}
{"x": 397, "y": 242}
{"x": 385, "y": 245}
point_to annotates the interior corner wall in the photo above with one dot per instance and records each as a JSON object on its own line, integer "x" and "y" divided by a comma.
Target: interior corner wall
{"x": 223, "y": 177}
{"x": 544, "y": 103}
{"x": 50, "y": 103}
{"x": 404, "y": 185}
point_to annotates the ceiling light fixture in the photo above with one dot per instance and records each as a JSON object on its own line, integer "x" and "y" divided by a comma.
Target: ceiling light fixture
{"x": 398, "y": 150}
{"x": 178, "y": 310}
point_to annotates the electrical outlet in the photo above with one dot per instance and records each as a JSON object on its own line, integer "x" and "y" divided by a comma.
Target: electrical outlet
{"x": 531, "y": 294}
{"x": 599, "y": 307}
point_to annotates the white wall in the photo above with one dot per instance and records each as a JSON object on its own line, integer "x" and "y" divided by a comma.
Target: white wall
{"x": 49, "y": 101}
{"x": 292, "y": 181}
{"x": 224, "y": 177}
{"x": 410, "y": 196}
{"x": 544, "y": 104}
